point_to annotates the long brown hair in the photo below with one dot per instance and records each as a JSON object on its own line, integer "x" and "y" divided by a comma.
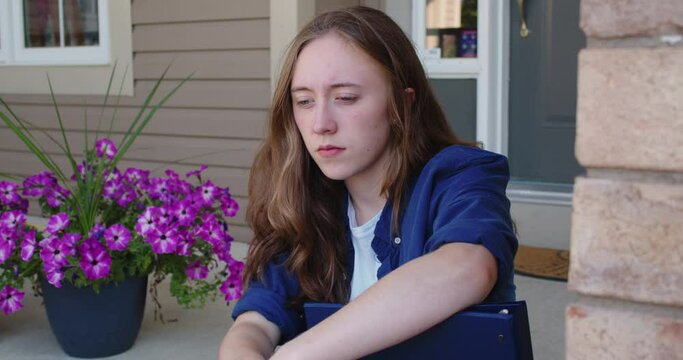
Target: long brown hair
{"x": 294, "y": 210}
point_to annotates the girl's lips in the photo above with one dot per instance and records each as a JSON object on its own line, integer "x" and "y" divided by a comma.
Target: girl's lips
{"x": 329, "y": 151}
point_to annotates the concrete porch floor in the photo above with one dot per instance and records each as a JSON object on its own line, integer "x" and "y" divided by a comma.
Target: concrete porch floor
{"x": 26, "y": 335}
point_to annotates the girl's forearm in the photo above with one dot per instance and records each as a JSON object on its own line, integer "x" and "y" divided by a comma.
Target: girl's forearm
{"x": 406, "y": 302}
{"x": 248, "y": 338}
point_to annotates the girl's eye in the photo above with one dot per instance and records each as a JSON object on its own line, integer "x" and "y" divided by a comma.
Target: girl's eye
{"x": 346, "y": 99}
{"x": 304, "y": 102}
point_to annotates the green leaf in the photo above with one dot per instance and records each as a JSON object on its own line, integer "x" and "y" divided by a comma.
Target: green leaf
{"x": 61, "y": 127}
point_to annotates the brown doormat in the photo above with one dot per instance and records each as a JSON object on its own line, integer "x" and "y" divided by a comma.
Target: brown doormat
{"x": 544, "y": 263}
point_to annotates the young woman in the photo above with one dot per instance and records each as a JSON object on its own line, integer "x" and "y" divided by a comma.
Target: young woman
{"x": 361, "y": 194}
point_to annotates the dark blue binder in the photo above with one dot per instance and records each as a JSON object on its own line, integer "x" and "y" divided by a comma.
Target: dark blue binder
{"x": 486, "y": 331}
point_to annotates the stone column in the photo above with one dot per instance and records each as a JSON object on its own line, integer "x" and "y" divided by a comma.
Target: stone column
{"x": 627, "y": 222}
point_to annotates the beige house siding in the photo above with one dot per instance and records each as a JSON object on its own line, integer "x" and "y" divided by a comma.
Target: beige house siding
{"x": 217, "y": 118}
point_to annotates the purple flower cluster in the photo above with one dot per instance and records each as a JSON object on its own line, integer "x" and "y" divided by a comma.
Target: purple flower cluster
{"x": 232, "y": 287}
{"x": 44, "y": 185}
{"x": 161, "y": 220}
{"x": 9, "y": 197}
{"x": 13, "y": 231}
{"x": 184, "y": 215}
{"x": 124, "y": 188}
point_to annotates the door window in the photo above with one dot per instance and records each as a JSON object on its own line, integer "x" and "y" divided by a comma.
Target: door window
{"x": 448, "y": 36}
{"x": 451, "y": 28}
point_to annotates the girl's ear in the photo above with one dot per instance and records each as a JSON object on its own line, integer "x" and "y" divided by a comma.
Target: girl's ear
{"x": 410, "y": 95}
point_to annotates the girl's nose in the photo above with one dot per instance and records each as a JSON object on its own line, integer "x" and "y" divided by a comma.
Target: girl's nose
{"x": 323, "y": 122}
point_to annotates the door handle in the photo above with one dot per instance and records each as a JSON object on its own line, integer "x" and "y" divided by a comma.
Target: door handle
{"x": 524, "y": 30}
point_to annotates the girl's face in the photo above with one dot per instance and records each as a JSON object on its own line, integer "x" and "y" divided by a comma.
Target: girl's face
{"x": 340, "y": 100}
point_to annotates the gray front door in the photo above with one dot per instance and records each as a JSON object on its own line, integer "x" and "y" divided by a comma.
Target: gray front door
{"x": 542, "y": 97}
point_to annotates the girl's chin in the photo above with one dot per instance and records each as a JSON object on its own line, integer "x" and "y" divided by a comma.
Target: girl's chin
{"x": 333, "y": 174}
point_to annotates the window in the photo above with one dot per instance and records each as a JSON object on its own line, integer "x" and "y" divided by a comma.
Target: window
{"x": 446, "y": 32}
{"x": 54, "y": 32}
{"x": 78, "y": 51}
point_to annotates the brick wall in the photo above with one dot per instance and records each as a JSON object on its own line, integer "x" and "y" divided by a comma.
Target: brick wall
{"x": 627, "y": 222}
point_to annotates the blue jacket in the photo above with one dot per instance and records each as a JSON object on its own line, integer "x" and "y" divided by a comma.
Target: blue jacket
{"x": 459, "y": 196}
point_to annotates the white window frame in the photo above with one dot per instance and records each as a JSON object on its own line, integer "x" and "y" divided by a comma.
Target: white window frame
{"x": 490, "y": 68}
{"x": 15, "y": 53}
{"x": 4, "y": 31}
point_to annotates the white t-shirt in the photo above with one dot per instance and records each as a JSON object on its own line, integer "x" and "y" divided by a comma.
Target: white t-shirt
{"x": 365, "y": 263}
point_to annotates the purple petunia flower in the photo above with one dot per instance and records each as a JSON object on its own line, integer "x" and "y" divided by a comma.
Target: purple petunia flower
{"x": 117, "y": 237}
{"x": 53, "y": 200}
{"x": 164, "y": 239}
{"x": 184, "y": 212}
{"x": 10, "y": 300}
{"x": 126, "y": 197}
{"x": 6, "y": 249}
{"x": 105, "y": 147}
{"x": 90, "y": 244}
{"x": 82, "y": 168}
{"x": 194, "y": 200}
{"x": 22, "y": 206}
{"x": 96, "y": 264}
{"x": 135, "y": 176}
{"x": 55, "y": 196}
{"x": 8, "y": 234}
{"x": 197, "y": 172}
{"x": 208, "y": 193}
{"x": 209, "y": 217}
{"x": 229, "y": 205}
{"x": 165, "y": 215}
{"x": 12, "y": 219}
{"x": 96, "y": 232}
{"x": 54, "y": 252}
{"x": 172, "y": 175}
{"x": 28, "y": 245}
{"x": 112, "y": 189}
{"x": 158, "y": 188}
{"x": 197, "y": 271}
{"x": 185, "y": 242}
{"x": 183, "y": 189}
{"x": 212, "y": 232}
{"x": 232, "y": 288}
{"x": 70, "y": 240}
{"x": 236, "y": 267}
{"x": 223, "y": 250}
{"x": 54, "y": 274}
{"x": 36, "y": 185}
{"x": 147, "y": 221}
{"x": 8, "y": 193}
{"x": 57, "y": 223}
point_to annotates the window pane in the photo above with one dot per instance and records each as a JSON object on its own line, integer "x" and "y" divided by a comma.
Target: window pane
{"x": 452, "y": 27}
{"x": 41, "y": 23}
{"x": 81, "y": 23}
{"x": 458, "y": 98}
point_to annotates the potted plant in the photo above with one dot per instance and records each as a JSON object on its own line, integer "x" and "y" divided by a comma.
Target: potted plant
{"x": 108, "y": 230}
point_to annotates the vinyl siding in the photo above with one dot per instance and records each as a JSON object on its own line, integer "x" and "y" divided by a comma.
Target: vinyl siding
{"x": 217, "y": 118}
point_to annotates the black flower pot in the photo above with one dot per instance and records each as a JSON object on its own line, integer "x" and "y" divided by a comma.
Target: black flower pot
{"x": 90, "y": 325}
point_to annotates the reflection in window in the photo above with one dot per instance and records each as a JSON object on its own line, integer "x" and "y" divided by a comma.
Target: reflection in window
{"x": 452, "y": 27}
{"x": 41, "y": 23}
{"x": 81, "y": 26}
{"x": 46, "y": 20}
